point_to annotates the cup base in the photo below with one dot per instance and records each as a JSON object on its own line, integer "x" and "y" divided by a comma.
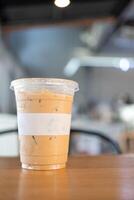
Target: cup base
{"x": 43, "y": 167}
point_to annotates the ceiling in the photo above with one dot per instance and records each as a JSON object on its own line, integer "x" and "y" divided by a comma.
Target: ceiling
{"x": 43, "y": 11}
{"x": 115, "y": 37}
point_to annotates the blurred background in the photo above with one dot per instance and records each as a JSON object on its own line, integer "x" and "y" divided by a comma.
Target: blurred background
{"x": 89, "y": 41}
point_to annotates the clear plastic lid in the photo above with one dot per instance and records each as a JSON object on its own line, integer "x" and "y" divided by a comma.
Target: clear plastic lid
{"x": 35, "y": 84}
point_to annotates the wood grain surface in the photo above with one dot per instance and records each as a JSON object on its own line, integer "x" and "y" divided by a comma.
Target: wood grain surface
{"x": 91, "y": 178}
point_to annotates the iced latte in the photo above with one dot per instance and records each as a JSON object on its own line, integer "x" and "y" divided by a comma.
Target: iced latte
{"x": 44, "y": 116}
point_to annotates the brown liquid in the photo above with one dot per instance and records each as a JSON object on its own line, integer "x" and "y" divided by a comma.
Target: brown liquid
{"x": 43, "y": 152}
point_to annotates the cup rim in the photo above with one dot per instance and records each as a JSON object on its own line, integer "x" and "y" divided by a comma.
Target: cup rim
{"x": 44, "y": 81}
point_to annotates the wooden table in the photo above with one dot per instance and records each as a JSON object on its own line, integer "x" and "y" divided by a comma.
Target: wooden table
{"x": 91, "y": 178}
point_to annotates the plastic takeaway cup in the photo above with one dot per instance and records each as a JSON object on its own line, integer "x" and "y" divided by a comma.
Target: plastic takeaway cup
{"x": 44, "y": 116}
